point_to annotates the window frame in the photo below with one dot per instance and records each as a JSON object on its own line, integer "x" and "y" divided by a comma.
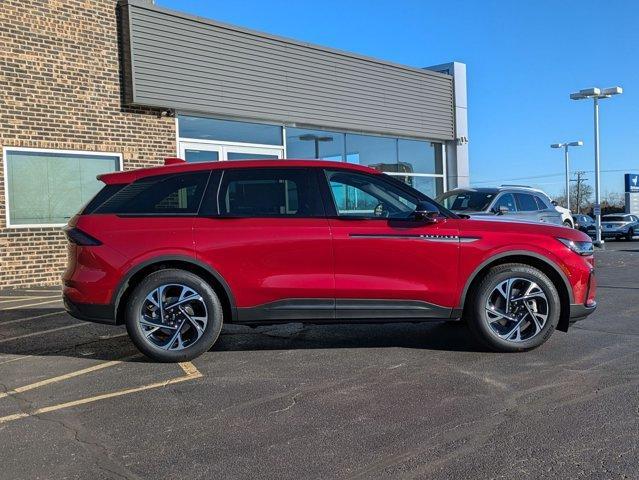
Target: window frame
{"x": 5, "y": 171}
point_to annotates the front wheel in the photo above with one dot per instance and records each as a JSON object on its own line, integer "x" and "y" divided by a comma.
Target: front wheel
{"x": 567, "y": 224}
{"x": 630, "y": 235}
{"x": 515, "y": 308}
{"x": 173, "y": 316}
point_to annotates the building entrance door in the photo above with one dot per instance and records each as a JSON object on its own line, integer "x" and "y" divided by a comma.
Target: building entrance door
{"x": 208, "y": 152}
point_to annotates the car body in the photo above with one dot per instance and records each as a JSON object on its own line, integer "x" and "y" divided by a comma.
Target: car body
{"x": 584, "y": 223}
{"x": 567, "y": 219}
{"x": 511, "y": 202}
{"x": 619, "y": 226}
{"x": 270, "y": 241}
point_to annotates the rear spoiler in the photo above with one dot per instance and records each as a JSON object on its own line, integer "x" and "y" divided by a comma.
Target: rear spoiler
{"x": 132, "y": 175}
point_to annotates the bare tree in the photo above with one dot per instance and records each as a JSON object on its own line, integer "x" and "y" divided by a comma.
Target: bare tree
{"x": 580, "y": 194}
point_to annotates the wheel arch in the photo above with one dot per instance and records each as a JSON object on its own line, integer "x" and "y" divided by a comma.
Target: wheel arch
{"x": 552, "y": 270}
{"x": 208, "y": 273}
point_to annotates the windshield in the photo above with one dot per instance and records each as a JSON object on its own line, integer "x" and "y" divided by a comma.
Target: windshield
{"x": 616, "y": 218}
{"x": 466, "y": 200}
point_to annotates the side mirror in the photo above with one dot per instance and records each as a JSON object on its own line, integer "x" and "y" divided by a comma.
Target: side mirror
{"x": 426, "y": 211}
{"x": 501, "y": 210}
{"x": 554, "y": 203}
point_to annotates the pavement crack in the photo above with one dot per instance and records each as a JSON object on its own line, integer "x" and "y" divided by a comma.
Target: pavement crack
{"x": 293, "y": 403}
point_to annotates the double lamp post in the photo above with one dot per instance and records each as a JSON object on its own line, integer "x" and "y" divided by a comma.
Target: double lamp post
{"x": 596, "y": 94}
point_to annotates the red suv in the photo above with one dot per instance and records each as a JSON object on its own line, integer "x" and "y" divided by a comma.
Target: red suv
{"x": 175, "y": 251}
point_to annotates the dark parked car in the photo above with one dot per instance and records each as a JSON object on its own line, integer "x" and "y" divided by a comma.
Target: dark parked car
{"x": 585, "y": 223}
{"x": 173, "y": 252}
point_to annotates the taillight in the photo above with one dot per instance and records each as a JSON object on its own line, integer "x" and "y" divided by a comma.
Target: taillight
{"x": 77, "y": 236}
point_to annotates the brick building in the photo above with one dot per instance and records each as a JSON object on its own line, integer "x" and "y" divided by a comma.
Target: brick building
{"x": 89, "y": 86}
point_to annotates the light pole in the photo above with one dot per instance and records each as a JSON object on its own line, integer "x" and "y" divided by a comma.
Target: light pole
{"x": 596, "y": 94}
{"x": 565, "y": 146}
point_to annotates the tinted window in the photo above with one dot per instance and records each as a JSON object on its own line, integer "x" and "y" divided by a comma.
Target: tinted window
{"x": 506, "y": 200}
{"x": 269, "y": 193}
{"x": 367, "y": 196}
{"x": 616, "y": 218}
{"x": 161, "y": 195}
{"x": 467, "y": 200}
{"x": 526, "y": 202}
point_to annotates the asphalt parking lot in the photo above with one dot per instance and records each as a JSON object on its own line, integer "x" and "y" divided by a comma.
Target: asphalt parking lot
{"x": 391, "y": 401}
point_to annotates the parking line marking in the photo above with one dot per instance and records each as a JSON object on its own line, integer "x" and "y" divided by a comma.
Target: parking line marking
{"x": 191, "y": 374}
{"x": 15, "y": 307}
{"x": 16, "y": 359}
{"x": 66, "y": 376}
{"x": 190, "y": 369}
{"x": 23, "y": 299}
{"x": 18, "y": 320}
{"x": 43, "y": 332}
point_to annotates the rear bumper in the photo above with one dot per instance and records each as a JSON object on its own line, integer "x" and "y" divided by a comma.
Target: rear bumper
{"x": 579, "y": 312}
{"x": 89, "y": 312}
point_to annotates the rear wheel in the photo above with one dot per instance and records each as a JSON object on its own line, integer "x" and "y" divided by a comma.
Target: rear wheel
{"x": 567, "y": 224}
{"x": 515, "y": 308}
{"x": 173, "y": 316}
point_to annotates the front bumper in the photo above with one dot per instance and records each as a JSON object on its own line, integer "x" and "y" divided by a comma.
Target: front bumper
{"x": 89, "y": 312}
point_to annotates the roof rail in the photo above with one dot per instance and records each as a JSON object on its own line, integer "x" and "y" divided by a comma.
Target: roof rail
{"x": 515, "y": 185}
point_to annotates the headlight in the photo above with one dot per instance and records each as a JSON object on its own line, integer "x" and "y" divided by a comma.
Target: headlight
{"x": 580, "y": 248}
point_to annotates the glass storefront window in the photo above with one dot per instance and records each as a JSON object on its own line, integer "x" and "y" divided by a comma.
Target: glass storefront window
{"x": 319, "y": 144}
{"x": 376, "y": 152}
{"x": 203, "y": 128}
{"x": 418, "y": 156}
{"x": 192, "y": 155}
{"x": 430, "y": 186}
{"x": 48, "y": 188}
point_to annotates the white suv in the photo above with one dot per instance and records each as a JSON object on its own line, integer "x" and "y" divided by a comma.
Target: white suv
{"x": 518, "y": 202}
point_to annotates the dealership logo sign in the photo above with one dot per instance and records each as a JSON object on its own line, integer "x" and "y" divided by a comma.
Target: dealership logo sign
{"x": 632, "y": 182}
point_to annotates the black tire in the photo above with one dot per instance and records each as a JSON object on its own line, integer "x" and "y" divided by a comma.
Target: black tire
{"x": 171, "y": 277}
{"x": 568, "y": 224}
{"x": 631, "y": 234}
{"x": 478, "y": 318}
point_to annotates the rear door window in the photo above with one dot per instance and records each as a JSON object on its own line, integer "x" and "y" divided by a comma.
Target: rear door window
{"x": 175, "y": 194}
{"x": 269, "y": 192}
{"x": 526, "y": 202}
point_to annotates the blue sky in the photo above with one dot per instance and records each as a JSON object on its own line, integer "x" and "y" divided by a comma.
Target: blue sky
{"x": 523, "y": 57}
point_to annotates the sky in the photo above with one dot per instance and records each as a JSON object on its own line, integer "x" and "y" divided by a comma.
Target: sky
{"x": 524, "y": 58}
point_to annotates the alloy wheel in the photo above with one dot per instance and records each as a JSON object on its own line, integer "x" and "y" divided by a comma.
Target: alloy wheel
{"x": 173, "y": 317}
{"x": 517, "y": 310}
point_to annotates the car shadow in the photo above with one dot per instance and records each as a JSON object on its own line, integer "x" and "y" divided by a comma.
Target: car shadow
{"x": 447, "y": 336}
{"x": 55, "y": 333}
